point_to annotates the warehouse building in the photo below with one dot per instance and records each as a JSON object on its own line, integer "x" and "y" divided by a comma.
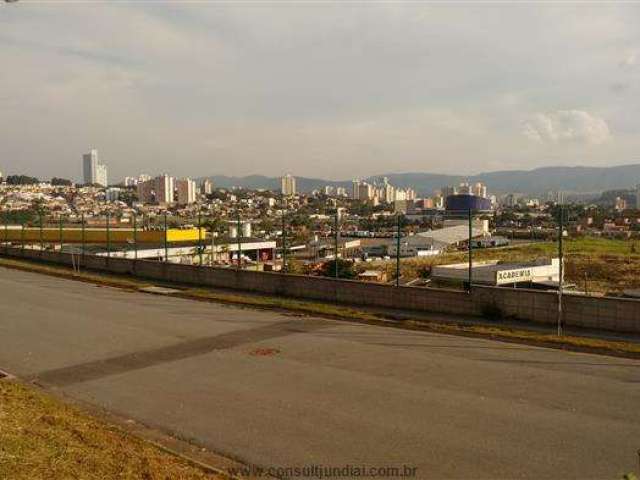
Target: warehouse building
{"x": 226, "y": 252}
{"x": 543, "y": 273}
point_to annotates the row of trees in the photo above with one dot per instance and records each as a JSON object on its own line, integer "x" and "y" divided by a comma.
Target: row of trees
{"x": 27, "y": 180}
{"x": 21, "y": 180}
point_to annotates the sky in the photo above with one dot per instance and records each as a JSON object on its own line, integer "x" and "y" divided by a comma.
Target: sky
{"x": 317, "y": 89}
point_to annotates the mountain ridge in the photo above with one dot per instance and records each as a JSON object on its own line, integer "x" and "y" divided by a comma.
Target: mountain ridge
{"x": 577, "y": 179}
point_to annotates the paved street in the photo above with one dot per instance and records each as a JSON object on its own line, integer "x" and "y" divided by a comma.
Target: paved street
{"x": 284, "y": 390}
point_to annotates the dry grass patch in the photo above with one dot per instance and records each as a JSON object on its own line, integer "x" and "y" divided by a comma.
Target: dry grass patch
{"x": 43, "y": 438}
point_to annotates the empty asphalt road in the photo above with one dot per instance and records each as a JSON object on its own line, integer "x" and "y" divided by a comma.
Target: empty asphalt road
{"x": 279, "y": 390}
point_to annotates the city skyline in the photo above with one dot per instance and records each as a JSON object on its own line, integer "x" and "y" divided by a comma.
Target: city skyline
{"x": 254, "y": 89}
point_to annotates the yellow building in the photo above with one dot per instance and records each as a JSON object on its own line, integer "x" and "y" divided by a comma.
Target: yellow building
{"x": 98, "y": 235}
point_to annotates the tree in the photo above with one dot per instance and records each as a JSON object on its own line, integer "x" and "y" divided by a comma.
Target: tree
{"x": 22, "y": 180}
{"x": 19, "y": 217}
{"x": 345, "y": 269}
{"x": 61, "y": 182}
{"x": 296, "y": 267}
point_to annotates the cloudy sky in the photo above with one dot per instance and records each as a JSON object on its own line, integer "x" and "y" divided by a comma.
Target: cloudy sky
{"x": 316, "y": 89}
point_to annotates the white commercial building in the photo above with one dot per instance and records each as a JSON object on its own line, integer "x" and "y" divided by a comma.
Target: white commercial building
{"x": 93, "y": 171}
{"x": 413, "y": 246}
{"x": 288, "y": 185}
{"x": 542, "y": 272}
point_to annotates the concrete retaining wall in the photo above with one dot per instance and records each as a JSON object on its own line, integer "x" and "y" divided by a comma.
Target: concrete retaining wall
{"x": 614, "y": 314}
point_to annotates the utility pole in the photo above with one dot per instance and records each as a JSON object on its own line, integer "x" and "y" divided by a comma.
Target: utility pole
{"x": 470, "y": 279}
{"x": 398, "y": 250}
{"x": 561, "y": 266}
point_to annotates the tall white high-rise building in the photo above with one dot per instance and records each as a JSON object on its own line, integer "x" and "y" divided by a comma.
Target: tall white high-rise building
{"x": 207, "y": 187}
{"x": 355, "y": 189}
{"x": 93, "y": 171}
{"x": 637, "y": 196}
{"x": 186, "y": 189}
{"x": 480, "y": 190}
{"x": 365, "y": 191}
{"x": 388, "y": 192}
{"x": 465, "y": 189}
{"x": 288, "y": 185}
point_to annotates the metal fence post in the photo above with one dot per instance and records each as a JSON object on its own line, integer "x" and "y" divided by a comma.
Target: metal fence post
{"x": 6, "y": 233}
{"x": 60, "y": 234}
{"x": 213, "y": 246}
{"x": 22, "y": 239}
{"x": 144, "y": 222}
{"x": 239, "y": 227}
{"x": 336, "y": 244}
{"x": 200, "y": 236}
{"x": 398, "y": 251}
{"x": 41, "y": 232}
{"x": 470, "y": 279}
{"x": 284, "y": 242}
{"x": 561, "y": 268}
{"x": 83, "y": 239}
{"x": 135, "y": 237}
{"x": 166, "y": 245}
{"x": 108, "y": 235}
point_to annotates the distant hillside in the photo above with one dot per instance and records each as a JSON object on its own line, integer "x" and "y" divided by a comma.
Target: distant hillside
{"x": 538, "y": 181}
{"x": 256, "y": 182}
{"x": 573, "y": 179}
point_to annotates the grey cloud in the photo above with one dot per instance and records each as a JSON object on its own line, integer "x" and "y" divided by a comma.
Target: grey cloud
{"x": 317, "y": 89}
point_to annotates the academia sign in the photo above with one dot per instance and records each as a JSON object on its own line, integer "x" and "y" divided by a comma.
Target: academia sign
{"x": 514, "y": 276}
